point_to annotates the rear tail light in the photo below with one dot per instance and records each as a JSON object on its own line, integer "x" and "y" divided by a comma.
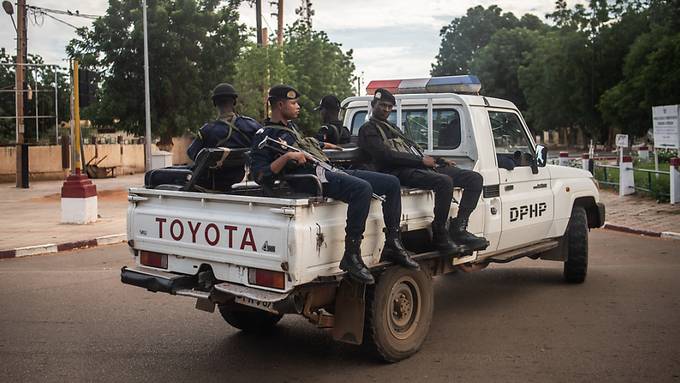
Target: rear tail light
{"x": 149, "y": 258}
{"x": 266, "y": 278}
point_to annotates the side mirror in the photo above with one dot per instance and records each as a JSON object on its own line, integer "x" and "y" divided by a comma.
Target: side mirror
{"x": 541, "y": 155}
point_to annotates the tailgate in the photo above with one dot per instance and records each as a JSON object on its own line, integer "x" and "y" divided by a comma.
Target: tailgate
{"x": 231, "y": 234}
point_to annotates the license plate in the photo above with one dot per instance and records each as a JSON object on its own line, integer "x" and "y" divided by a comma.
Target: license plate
{"x": 266, "y": 306}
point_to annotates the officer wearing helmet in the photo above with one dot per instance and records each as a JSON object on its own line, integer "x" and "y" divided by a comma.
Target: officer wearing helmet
{"x": 229, "y": 130}
{"x": 331, "y": 129}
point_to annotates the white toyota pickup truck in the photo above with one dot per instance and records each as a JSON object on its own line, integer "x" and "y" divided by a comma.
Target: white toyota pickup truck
{"x": 259, "y": 254}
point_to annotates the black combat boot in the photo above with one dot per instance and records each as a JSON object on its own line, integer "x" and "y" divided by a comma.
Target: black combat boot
{"x": 460, "y": 234}
{"x": 351, "y": 262}
{"x": 395, "y": 252}
{"x": 443, "y": 243}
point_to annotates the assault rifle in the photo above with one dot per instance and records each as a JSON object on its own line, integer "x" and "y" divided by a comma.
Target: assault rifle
{"x": 283, "y": 147}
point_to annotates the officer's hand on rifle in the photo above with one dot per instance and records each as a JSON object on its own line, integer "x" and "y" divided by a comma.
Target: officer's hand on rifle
{"x": 297, "y": 157}
{"x": 429, "y": 161}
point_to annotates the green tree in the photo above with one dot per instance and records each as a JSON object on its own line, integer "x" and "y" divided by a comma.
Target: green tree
{"x": 192, "y": 46}
{"x": 498, "y": 63}
{"x": 258, "y": 69}
{"x": 316, "y": 66}
{"x": 651, "y": 71}
{"x": 466, "y": 35}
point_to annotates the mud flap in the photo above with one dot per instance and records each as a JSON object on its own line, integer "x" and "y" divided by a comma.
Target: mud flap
{"x": 205, "y": 305}
{"x": 350, "y": 306}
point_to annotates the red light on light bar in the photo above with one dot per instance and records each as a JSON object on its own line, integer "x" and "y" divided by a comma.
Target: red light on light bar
{"x": 266, "y": 278}
{"x": 149, "y": 258}
{"x": 390, "y": 85}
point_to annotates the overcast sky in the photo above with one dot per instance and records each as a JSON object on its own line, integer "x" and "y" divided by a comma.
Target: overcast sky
{"x": 391, "y": 39}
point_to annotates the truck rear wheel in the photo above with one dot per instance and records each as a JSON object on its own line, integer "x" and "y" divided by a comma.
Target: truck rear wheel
{"x": 398, "y": 313}
{"x": 576, "y": 265}
{"x": 249, "y": 319}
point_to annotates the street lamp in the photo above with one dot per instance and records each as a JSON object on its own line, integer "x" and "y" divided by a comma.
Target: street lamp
{"x": 9, "y": 9}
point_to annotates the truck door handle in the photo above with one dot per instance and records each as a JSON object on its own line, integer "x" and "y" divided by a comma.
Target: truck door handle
{"x": 509, "y": 187}
{"x": 540, "y": 186}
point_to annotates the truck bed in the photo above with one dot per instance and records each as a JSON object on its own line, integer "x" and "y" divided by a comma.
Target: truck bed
{"x": 232, "y": 233}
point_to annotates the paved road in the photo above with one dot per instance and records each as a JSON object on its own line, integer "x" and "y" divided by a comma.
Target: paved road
{"x": 68, "y": 318}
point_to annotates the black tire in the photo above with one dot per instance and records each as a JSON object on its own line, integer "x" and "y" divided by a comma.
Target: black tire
{"x": 576, "y": 265}
{"x": 249, "y": 319}
{"x": 398, "y": 313}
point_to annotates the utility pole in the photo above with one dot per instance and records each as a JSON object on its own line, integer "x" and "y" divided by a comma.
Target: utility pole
{"x": 279, "y": 30}
{"x": 147, "y": 97}
{"x": 258, "y": 21}
{"x": 21, "y": 167}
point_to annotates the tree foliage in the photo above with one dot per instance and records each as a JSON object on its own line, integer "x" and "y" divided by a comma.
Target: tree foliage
{"x": 497, "y": 64}
{"x": 192, "y": 46}
{"x": 465, "y": 36}
{"x": 600, "y": 67}
{"x": 316, "y": 67}
{"x": 308, "y": 61}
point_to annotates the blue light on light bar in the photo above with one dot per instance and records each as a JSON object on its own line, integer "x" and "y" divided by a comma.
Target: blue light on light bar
{"x": 455, "y": 84}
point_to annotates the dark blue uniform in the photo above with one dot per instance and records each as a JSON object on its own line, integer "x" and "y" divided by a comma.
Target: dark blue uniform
{"x": 219, "y": 133}
{"x": 334, "y": 132}
{"x": 354, "y": 187}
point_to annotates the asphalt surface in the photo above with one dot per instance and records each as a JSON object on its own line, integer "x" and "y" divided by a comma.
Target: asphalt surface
{"x": 67, "y": 317}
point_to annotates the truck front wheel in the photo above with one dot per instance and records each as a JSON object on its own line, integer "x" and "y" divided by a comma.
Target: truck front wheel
{"x": 398, "y": 313}
{"x": 576, "y": 265}
{"x": 249, "y": 319}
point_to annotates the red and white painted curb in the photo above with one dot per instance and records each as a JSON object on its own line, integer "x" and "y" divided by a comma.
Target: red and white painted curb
{"x": 649, "y": 233}
{"x": 55, "y": 248}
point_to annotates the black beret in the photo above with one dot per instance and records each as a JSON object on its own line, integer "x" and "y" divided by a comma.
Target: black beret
{"x": 282, "y": 92}
{"x": 383, "y": 94}
{"x": 329, "y": 102}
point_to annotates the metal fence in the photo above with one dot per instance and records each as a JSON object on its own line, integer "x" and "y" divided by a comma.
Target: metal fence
{"x": 653, "y": 182}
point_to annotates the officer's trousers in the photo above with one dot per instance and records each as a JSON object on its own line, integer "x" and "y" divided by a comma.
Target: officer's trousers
{"x": 442, "y": 180}
{"x": 356, "y": 189}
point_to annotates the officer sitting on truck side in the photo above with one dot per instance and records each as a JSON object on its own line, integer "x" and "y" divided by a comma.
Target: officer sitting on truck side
{"x": 331, "y": 129}
{"x": 355, "y": 187}
{"x": 229, "y": 130}
{"x": 389, "y": 151}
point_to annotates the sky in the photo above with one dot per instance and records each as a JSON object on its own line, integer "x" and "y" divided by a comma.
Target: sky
{"x": 390, "y": 39}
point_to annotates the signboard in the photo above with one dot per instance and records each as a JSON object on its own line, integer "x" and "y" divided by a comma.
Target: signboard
{"x": 622, "y": 140}
{"x": 666, "y": 125}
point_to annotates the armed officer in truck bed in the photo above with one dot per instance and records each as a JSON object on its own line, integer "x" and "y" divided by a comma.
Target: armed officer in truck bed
{"x": 355, "y": 187}
{"x": 229, "y": 130}
{"x": 389, "y": 151}
{"x": 332, "y": 130}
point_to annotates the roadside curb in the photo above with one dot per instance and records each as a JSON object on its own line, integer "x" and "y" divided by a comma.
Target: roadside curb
{"x": 55, "y": 248}
{"x": 649, "y": 233}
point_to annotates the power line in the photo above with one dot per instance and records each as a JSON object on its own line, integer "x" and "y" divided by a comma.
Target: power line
{"x": 67, "y": 12}
{"x": 61, "y": 21}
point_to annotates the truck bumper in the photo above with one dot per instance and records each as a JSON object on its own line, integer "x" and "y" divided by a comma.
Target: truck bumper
{"x": 156, "y": 280}
{"x": 225, "y": 292}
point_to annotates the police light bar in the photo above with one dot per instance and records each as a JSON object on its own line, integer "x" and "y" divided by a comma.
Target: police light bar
{"x": 465, "y": 84}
